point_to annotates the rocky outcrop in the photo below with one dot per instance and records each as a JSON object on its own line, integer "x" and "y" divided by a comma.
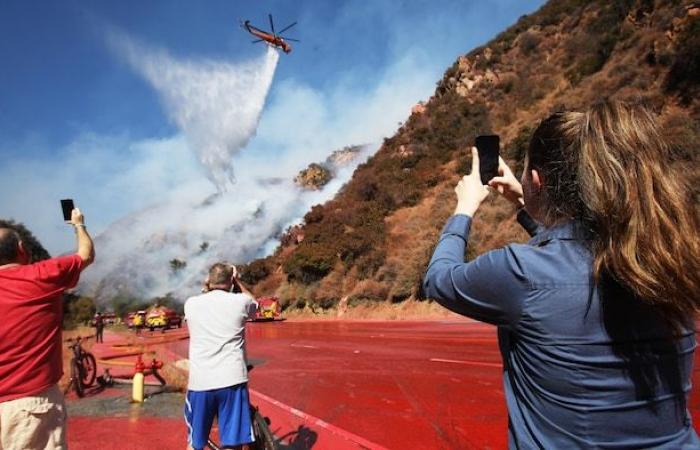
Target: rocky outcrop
{"x": 316, "y": 175}
{"x": 313, "y": 177}
{"x": 380, "y": 228}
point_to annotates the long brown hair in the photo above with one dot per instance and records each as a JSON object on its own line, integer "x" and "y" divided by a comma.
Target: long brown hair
{"x": 609, "y": 170}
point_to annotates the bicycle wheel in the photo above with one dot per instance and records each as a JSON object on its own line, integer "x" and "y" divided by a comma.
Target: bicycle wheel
{"x": 89, "y": 372}
{"x": 264, "y": 439}
{"x": 76, "y": 375}
{"x": 212, "y": 445}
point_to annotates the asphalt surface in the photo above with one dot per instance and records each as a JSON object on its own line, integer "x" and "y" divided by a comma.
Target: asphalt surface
{"x": 432, "y": 385}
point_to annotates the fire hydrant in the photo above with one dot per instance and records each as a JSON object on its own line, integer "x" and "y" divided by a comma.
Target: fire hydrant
{"x": 137, "y": 387}
{"x": 155, "y": 365}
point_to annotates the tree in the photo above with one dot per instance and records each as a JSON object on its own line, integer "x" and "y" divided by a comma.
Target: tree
{"x": 177, "y": 264}
{"x": 77, "y": 310}
{"x": 169, "y": 302}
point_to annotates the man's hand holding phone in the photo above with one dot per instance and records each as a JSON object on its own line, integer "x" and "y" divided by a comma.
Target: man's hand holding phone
{"x": 76, "y": 218}
{"x": 73, "y": 216}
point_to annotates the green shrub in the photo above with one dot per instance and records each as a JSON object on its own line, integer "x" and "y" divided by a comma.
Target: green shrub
{"x": 592, "y": 49}
{"x": 309, "y": 263}
{"x": 517, "y": 149}
{"x": 528, "y": 42}
{"x": 255, "y": 271}
{"x": 77, "y": 310}
{"x": 553, "y": 13}
{"x": 177, "y": 264}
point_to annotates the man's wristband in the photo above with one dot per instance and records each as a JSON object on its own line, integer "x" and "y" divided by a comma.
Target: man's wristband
{"x": 82, "y": 225}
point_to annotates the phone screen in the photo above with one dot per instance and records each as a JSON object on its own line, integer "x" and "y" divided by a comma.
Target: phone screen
{"x": 488, "y": 147}
{"x": 67, "y": 207}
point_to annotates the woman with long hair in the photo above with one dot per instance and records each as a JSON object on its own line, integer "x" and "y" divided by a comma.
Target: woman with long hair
{"x": 596, "y": 313}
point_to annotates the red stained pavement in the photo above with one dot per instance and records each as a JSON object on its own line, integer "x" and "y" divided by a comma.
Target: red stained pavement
{"x": 433, "y": 385}
{"x": 397, "y": 384}
{"x": 103, "y": 433}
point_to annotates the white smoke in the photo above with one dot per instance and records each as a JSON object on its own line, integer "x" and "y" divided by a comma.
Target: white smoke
{"x": 217, "y": 105}
{"x": 148, "y": 202}
{"x": 134, "y": 253}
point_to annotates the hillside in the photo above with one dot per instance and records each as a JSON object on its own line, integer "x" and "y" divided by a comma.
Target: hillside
{"x": 372, "y": 241}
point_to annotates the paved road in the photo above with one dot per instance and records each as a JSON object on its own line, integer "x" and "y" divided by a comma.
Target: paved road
{"x": 433, "y": 385}
{"x": 397, "y": 384}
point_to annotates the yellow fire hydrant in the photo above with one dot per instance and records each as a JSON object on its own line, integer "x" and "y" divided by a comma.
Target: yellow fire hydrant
{"x": 137, "y": 386}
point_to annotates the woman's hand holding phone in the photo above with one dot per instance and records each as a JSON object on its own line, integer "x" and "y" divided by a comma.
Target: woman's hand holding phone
{"x": 507, "y": 185}
{"x": 470, "y": 191}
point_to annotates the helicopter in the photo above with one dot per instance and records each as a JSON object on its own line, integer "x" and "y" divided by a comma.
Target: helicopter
{"x": 274, "y": 39}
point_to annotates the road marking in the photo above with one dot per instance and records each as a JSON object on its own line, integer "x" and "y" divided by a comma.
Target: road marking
{"x": 301, "y": 345}
{"x": 469, "y": 363}
{"x": 308, "y": 418}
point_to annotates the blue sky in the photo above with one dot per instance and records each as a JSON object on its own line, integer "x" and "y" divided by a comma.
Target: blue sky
{"x": 68, "y": 98}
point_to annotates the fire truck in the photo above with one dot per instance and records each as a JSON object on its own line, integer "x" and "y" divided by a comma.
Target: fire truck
{"x": 162, "y": 317}
{"x": 268, "y": 309}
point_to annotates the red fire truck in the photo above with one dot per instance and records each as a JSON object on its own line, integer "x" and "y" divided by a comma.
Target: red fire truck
{"x": 268, "y": 309}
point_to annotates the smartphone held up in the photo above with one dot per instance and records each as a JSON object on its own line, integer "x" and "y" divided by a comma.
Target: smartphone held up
{"x": 488, "y": 148}
{"x": 67, "y": 206}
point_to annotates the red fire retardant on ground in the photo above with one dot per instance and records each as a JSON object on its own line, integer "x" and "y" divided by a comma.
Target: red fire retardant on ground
{"x": 397, "y": 385}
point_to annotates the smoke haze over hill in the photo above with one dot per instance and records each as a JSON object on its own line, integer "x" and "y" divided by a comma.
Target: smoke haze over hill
{"x": 217, "y": 105}
{"x": 373, "y": 241}
{"x": 148, "y": 191}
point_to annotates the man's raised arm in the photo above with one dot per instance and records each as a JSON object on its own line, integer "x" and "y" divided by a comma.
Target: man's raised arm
{"x": 86, "y": 249}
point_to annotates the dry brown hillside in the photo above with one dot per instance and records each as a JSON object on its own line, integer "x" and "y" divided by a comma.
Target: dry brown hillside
{"x": 372, "y": 242}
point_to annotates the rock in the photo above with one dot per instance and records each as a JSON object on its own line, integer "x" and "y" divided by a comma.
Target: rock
{"x": 313, "y": 177}
{"x": 464, "y": 64}
{"x": 491, "y": 76}
{"x": 418, "y": 108}
{"x": 342, "y": 157}
{"x": 404, "y": 151}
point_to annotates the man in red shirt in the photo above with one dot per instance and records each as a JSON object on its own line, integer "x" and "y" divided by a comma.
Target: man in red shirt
{"x": 32, "y": 412}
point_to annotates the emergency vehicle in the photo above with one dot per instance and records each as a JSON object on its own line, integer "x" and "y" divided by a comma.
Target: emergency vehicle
{"x": 268, "y": 309}
{"x": 162, "y": 317}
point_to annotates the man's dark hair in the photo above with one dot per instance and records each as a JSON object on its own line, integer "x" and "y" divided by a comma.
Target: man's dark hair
{"x": 9, "y": 241}
{"x": 220, "y": 274}
{"x": 31, "y": 244}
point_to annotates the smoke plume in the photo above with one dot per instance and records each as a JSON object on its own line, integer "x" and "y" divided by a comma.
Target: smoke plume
{"x": 217, "y": 105}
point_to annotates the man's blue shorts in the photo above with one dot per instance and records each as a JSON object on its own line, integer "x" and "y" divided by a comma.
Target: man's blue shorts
{"x": 232, "y": 407}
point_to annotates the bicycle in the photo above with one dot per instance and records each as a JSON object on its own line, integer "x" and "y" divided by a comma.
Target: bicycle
{"x": 83, "y": 367}
{"x": 264, "y": 439}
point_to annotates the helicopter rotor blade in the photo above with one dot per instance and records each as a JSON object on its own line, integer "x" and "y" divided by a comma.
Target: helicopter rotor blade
{"x": 290, "y": 39}
{"x": 287, "y": 27}
{"x": 272, "y": 26}
{"x": 256, "y": 41}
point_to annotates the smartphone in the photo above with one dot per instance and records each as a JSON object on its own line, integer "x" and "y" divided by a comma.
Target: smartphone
{"x": 67, "y": 206}
{"x": 488, "y": 147}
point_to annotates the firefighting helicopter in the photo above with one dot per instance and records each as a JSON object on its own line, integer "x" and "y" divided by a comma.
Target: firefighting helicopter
{"x": 273, "y": 39}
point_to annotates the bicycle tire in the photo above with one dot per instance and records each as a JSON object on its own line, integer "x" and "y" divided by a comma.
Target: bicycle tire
{"x": 264, "y": 439}
{"x": 89, "y": 369}
{"x": 76, "y": 376}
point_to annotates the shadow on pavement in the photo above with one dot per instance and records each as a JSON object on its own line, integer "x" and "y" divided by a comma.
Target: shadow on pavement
{"x": 303, "y": 438}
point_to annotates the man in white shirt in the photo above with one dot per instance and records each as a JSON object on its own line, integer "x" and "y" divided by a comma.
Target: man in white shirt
{"x": 218, "y": 378}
